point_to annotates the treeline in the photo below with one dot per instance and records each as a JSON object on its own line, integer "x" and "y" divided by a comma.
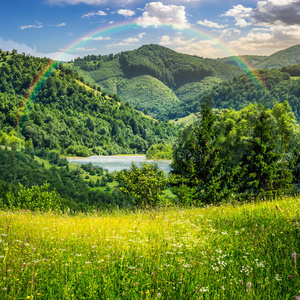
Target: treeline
{"x": 292, "y": 70}
{"x": 19, "y": 169}
{"x": 274, "y": 86}
{"x": 70, "y": 116}
{"x": 234, "y": 155}
{"x": 93, "y": 62}
{"x": 172, "y": 68}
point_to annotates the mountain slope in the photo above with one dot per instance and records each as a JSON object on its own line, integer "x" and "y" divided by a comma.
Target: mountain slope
{"x": 253, "y": 60}
{"x": 69, "y": 116}
{"x": 286, "y": 57}
{"x": 242, "y": 91}
{"x": 182, "y": 76}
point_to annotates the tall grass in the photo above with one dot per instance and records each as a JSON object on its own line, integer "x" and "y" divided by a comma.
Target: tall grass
{"x": 226, "y": 252}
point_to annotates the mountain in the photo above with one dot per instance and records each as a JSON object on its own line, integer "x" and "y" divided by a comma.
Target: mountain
{"x": 252, "y": 60}
{"x": 287, "y": 57}
{"x": 68, "y": 115}
{"x": 153, "y": 77}
{"x": 243, "y": 91}
{"x": 283, "y": 58}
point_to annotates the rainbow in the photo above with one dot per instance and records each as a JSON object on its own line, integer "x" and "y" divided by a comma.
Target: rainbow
{"x": 44, "y": 74}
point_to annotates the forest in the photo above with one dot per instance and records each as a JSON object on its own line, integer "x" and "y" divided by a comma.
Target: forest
{"x": 68, "y": 115}
{"x": 243, "y": 145}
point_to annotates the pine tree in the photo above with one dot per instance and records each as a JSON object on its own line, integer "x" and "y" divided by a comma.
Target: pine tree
{"x": 265, "y": 175}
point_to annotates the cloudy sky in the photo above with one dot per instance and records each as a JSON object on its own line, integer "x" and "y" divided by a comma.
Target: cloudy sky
{"x": 207, "y": 28}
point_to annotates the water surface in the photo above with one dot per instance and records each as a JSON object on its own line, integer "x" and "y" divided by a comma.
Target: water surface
{"x": 118, "y": 163}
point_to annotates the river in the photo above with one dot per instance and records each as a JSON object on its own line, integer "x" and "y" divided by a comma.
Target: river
{"x": 118, "y": 163}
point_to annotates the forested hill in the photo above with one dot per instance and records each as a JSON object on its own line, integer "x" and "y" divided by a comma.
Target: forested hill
{"x": 252, "y": 60}
{"x": 68, "y": 115}
{"x": 242, "y": 91}
{"x": 286, "y": 57}
{"x": 154, "y": 77}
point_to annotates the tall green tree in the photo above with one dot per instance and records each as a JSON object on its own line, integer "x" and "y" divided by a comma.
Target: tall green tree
{"x": 201, "y": 167}
{"x": 265, "y": 173}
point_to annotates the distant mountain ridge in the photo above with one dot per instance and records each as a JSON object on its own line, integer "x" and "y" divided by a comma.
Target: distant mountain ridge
{"x": 283, "y": 58}
{"x": 153, "y": 77}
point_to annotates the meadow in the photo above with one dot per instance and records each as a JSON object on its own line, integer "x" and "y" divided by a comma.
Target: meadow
{"x": 245, "y": 251}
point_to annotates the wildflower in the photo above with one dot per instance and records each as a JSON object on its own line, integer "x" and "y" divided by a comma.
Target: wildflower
{"x": 158, "y": 295}
{"x": 294, "y": 256}
{"x": 249, "y": 287}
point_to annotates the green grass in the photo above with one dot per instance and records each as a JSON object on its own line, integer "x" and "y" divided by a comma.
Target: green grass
{"x": 295, "y": 77}
{"x": 186, "y": 120}
{"x": 199, "y": 253}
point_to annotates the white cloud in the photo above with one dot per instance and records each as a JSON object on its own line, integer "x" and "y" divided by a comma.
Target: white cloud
{"x": 168, "y": 41}
{"x": 36, "y": 25}
{"x": 266, "y": 42}
{"x": 201, "y": 48}
{"x": 84, "y": 49}
{"x": 98, "y": 38}
{"x": 128, "y": 41}
{"x": 229, "y": 32}
{"x": 59, "y": 25}
{"x": 210, "y": 24}
{"x": 9, "y": 45}
{"x": 125, "y": 42}
{"x": 91, "y": 14}
{"x": 240, "y": 13}
{"x": 192, "y": 46}
{"x": 141, "y": 35}
{"x": 126, "y": 12}
{"x": 156, "y": 14}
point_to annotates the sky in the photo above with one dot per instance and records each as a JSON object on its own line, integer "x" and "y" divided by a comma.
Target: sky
{"x": 67, "y": 29}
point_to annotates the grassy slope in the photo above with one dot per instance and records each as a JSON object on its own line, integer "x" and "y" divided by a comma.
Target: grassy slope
{"x": 145, "y": 91}
{"x": 209, "y": 253}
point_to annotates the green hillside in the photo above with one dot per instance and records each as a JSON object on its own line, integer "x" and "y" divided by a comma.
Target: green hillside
{"x": 286, "y": 57}
{"x": 68, "y": 115}
{"x": 253, "y": 60}
{"x": 171, "y": 76}
{"x": 242, "y": 91}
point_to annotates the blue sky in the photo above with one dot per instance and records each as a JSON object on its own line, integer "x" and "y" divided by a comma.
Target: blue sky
{"x": 207, "y": 28}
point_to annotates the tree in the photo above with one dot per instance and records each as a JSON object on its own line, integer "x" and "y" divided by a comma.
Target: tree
{"x": 145, "y": 184}
{"x": 198, "y": 164}
{"x": 265, "y": 174}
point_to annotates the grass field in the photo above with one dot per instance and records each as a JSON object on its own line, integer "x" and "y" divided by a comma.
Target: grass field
{"x": 225, "y": 252}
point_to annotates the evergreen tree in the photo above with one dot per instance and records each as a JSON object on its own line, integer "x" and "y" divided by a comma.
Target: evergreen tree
{"x": 265, "y": 173}
{"x": 203, "y": 172}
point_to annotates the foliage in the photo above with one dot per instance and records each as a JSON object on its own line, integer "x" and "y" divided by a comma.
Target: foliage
{"x": 248, "y": 153}
{"x": 67, "y": 115}
{"x": 159, "y": 151}
{"x": 264, "y": 175}
{"x": 286, "y": 57}
{"x": 34, "y": 198}
{"x": 274, "y": 86}
{"x": 197, "y": 158}
{"x": 154, "y": 77}
{"x": 17, "y": 168}
{"x": 145, "y": 184}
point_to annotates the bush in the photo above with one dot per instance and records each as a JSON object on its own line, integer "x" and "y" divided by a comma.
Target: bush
{"x": 145, "y": 185}
{"x": 34, "y": 198}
